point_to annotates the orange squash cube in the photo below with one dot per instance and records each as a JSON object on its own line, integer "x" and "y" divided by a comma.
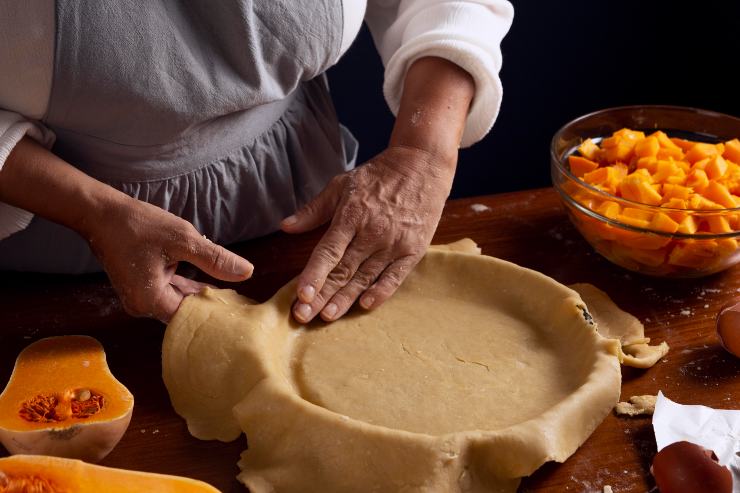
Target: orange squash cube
{"x": 634, "y": 187}
{"x": 620, "y": 153}
{"x": 609, "y": 209}
{"x": 688, "y": 226}
{"x": 649, "y": 163}
{"x": 718, "y": 224}
{"x": 589, "y": 150}
{"x": 726, "y": 246}
{"x": 695, "y": 254}
{"x": 702, "y": 203}
{"x": 682, "y": 143}
{"x": 697, "y": 180}
{"x": 664, "y": 170}
{"x": 701, "y": 150}
{"x": 716, "y": 167}
{"x": 629, "y": 134}
{"x": 665, "y": 153}
{"x": 579, "y": 166}
{"x": 674, "y": 191}
{"x": 718, "y": 193}
{"x": 637, "y": 222}
{"x": 663, "y": 222}
{"x": 732, "y": 150}
{"x": 664, "y": 140}
{"x": 651, "y": 258}
{"x": 648, "y": 147}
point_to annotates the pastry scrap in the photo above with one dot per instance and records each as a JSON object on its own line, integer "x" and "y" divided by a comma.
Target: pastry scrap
{"x": 615, "y": 323}
{"x": 638, "y": 405}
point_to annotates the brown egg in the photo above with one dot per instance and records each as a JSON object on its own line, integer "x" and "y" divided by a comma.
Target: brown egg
{"x": 685, "y": 467}
{"x": 728, "y": 326}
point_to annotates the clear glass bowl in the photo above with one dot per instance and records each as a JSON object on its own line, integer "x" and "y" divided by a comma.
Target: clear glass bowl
{"x": 638, "y": 249}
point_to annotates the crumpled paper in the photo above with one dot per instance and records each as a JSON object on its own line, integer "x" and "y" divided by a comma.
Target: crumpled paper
{"x": 714, "y": 429}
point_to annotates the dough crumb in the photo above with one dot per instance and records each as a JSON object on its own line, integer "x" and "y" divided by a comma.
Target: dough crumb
{"x": 608, "y": 489}
{"x": 477, "y": 208}
{"x": 638, "y": 405}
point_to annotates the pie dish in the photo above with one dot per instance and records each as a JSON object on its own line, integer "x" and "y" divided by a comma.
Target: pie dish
{"x": 474, "y": 374}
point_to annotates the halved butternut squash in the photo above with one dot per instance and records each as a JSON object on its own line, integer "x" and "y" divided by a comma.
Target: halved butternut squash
{"x": 62, "y": 400}
{"x": 43, "y": 474}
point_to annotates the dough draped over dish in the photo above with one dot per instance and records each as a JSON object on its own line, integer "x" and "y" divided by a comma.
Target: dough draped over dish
{"x": 474, "y": 374}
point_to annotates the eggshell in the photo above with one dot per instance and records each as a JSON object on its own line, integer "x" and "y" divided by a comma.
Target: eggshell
{"x": 685, "y": 467}
{"x": 728, "y": 326}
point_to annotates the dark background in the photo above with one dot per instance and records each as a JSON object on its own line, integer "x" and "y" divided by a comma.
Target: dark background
{"x": 563, "y": 59}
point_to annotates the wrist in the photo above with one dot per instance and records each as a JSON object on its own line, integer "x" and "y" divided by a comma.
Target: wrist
{"x": 434, "y": 108}
{"x": 97, "y": 207}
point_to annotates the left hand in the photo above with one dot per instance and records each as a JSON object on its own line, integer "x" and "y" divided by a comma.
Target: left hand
{"x": 383, "y": 216}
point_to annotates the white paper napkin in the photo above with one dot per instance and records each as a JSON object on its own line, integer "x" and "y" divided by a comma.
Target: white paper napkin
{"x": 714, "y": 429}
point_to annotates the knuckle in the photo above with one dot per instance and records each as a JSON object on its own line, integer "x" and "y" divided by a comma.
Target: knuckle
{"x": 309, "y": 209}
{"x": 342, "y": 300}
{"x": 351, "y": 214}
{"x": 364, "y": 279}
{"x": 182, "y": 230}
{"x": 392, "y": 279}
{"x": 217, "y": 259}
{"x": 341, "y": 274}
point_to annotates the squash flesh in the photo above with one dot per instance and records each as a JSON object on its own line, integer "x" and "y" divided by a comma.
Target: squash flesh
{"x": 57, "y": 475}
{"x": 63, "y": 400}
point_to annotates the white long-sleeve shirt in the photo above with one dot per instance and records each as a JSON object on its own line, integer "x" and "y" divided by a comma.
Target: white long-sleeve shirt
{"x": 465, "y": 32}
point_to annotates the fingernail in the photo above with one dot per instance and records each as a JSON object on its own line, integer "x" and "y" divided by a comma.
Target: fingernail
{"x": 306, "y": 293}
{"x": 303, "y": 312}
{"x": 366, "y": 302}
{"x": 290, "y": 220}
{"x": 330, "y": 310}
{"x": 249, "y": 271}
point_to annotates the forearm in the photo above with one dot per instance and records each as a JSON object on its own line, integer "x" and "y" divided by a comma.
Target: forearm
{"x": 434, "y": 106}
{"x": 36, "y": 180}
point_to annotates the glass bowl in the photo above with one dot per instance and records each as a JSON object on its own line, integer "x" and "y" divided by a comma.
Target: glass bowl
{"x": 640, "y": 249}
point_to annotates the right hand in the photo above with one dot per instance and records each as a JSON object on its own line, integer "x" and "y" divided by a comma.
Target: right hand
{"x": 140, "y": 246}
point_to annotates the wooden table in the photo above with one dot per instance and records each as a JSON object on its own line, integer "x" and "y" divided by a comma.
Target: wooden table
{"x": 529, "y": 228}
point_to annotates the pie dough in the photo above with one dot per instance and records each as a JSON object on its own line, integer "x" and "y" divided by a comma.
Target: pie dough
{"x": 474, "y": 374}
{"x": 617, "y": 324}
{"x": 638, "y": 405}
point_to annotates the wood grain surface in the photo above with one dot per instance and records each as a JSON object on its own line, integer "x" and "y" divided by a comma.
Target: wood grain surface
{"x": 529, "y": 228}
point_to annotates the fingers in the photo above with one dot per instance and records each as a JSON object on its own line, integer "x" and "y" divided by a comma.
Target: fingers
{"x": 388, "y": 282}
{"x": 213, "y": 259}
{"x": 363, "y": 278}
{"x": 159, "y": 301}
{"x": 352, "y": 267}
{"x": 317, "y": 212}
{"x": 187, "y": 286}
{"x": 330, "y": 251}
{"x": 167, "y": 303}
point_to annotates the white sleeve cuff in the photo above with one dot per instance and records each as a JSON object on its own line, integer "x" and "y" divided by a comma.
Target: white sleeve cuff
{"x": 467, "y": 33}
{"x": 488, "y": 90}
{"x": 13, "y": 127}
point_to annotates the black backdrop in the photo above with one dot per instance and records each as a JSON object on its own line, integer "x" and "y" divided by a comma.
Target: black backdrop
{"x": 563, "y": 59}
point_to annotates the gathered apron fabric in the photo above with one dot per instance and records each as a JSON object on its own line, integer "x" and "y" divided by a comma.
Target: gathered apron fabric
{"x": 218, "y": 112}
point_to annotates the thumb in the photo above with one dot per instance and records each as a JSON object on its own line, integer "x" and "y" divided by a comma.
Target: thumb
{"x": 218, "y": 262}
{"x": 318, "y": 211}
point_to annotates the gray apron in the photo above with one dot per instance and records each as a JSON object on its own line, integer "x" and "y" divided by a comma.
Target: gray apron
{"x": 218, "y": 112}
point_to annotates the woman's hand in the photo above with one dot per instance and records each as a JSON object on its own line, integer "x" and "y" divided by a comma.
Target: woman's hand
{"x": 383, "y": 216}
{"x": 384, "y": 213}
{"x": 140, "y": 246}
